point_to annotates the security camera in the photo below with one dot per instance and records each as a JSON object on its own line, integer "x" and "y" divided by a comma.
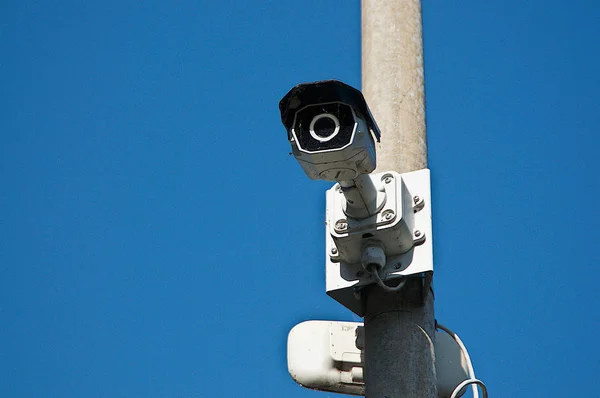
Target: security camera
{"x": 377, "y": 225}
{"x": 331, "y": 130}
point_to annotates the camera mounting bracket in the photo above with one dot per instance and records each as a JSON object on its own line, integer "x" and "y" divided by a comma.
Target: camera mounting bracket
{"x": 401, "y": 227}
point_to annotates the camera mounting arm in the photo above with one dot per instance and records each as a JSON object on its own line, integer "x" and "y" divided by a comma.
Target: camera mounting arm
{"x": 365, "y": 197}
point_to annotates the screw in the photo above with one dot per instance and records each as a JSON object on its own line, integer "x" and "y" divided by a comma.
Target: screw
{"x": 388, "y": 215}
{"x": 417, "y": 233}
{"x": 334, "y": 250}
{"x": 360, "y": 274}
{"x": 341, "y": 225}
{"x": 416, "y": 199}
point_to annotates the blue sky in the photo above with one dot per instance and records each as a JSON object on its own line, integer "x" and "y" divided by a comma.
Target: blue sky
{"x": 156, "y": 240}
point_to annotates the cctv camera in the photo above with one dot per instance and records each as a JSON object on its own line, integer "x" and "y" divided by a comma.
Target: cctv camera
{"x": 331, "y": 130}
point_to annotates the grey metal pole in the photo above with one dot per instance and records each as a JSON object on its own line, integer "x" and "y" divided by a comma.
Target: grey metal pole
{"x": 399, "y": 327}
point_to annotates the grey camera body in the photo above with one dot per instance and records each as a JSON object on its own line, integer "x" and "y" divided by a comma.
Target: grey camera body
{"x": 331, "y": 130}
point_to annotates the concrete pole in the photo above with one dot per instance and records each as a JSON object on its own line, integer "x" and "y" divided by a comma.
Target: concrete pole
{"x": 399, "y": 327}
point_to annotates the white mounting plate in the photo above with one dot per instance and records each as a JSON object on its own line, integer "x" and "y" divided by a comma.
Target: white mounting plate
{"x": 323, "y": 355}
{"x": 343, "y": 278}
{"x": 392, "y": 225}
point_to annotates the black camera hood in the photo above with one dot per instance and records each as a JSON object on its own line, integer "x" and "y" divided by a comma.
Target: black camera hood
{"x": 321, "y": 92}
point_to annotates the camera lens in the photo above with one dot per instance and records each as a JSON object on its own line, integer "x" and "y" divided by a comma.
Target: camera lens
{"x": 324, "y": 127}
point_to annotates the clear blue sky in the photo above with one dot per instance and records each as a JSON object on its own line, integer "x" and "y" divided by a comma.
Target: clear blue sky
{"x": 156, "y": 240}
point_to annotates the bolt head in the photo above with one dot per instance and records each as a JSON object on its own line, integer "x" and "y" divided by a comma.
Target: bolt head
{"x": 417, "y": 233}
{"x": 334, "y": 250}
{"x": 341, "y": 225}
{"x": 416, "y": 199}
{"x": 388, "y": 215}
